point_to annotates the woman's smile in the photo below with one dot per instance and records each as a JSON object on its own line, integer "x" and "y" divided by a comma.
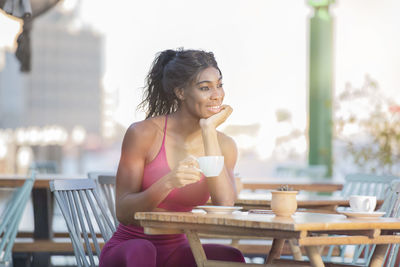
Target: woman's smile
{"x": 214, "y": 109}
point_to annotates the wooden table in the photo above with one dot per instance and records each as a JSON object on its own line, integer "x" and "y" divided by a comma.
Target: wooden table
{"x": 306, "y": 229}
{"x": 42, "y": 201}
{"x": 308, "y": 184}
{"x": 304, "y": 201}
{"x": 327, "y": 203}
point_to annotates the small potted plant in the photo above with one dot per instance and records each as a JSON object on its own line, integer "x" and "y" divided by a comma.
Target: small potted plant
{"x": 283, "y": 202}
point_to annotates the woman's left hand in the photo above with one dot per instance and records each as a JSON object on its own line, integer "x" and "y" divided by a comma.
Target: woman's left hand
{"x": 217, "y": 119}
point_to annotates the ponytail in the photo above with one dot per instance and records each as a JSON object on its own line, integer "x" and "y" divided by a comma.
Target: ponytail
{"x": 156, "y": 99}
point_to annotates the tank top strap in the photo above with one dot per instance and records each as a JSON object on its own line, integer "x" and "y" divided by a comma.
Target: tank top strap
{"x": 165, "y": 130}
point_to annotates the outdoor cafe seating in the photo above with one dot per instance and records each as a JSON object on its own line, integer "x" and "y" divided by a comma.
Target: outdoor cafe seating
{"x": 101, "y": 189}
{"x": 85, "y": 216}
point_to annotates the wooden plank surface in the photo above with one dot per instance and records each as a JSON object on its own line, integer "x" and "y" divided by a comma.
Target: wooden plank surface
{"x": 272, "y": 183}
{"x": 60, "y": 245}
{"x": 304, "y": 201}
{"x": 300, "y": 221}
{"x": 42, "y": 180}
{"x": 306, "y": 229}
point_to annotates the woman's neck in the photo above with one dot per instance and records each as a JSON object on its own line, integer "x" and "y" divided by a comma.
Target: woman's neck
{"x": 185, "y": 124}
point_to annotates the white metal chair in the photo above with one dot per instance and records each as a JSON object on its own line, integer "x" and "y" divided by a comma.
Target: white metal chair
{"x": 85, "y": 216}
{"x": 309, "y": 171}
{"x": 380, "y": 186}
{"x": 95, "y": 174}
{"x": 106, "y": 184}
{"x": 391, "y": 206}
{"x": 11, "y": 218}
{"x": 367, "y": 184}
{"x": 107, "y": 187}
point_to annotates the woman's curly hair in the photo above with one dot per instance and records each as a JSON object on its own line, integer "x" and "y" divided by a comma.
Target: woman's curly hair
{"x": 172, "y": 69}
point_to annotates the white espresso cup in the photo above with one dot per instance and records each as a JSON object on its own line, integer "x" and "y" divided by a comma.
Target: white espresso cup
{"x": 362, "y": 203}
{"x": 211, "y": 166}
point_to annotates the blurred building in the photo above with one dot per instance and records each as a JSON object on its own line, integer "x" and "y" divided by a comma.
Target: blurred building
{"x": 65, "y": 81}
{"x": 64, "y": 86}
{"x": 61, "y": 102}
{"x": 12, "y": 93}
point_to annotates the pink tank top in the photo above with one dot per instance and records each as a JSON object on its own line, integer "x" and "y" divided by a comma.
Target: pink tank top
{"x": 179, "y": 199}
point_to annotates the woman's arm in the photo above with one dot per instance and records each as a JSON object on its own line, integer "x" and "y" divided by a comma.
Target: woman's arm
{"x": 222, "y": 188}
{"x": 129, "y": 199}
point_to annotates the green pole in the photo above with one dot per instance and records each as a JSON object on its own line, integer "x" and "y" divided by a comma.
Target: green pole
{"x": 320, "y": 85}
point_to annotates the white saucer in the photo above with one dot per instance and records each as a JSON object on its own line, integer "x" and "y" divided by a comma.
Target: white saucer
{"x": 363, "y": 215}
{"x": 219, "y": 209}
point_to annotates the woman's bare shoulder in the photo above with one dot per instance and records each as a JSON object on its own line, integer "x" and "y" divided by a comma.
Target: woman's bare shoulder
{"x": 144, "y": 132}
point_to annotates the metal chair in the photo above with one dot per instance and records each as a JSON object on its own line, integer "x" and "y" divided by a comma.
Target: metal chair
{"x": 106, "y": 184}
{"x": 11, "y": 218}
{"x": 309, "y": 171}
{"x": 95, "y": 174}
{"x": 380, "y": 186}
{"x": 107, "y": 187}
{"x": 391, "y": 206}
{"x": 85, "y": 216}
{"x": 367, "y": 184}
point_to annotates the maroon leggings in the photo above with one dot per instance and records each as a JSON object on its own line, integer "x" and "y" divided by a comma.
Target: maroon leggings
{"x": 158, "y": 251}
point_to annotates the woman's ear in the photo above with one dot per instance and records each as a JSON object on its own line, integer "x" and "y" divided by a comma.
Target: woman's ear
{"x": 180, "y": 93}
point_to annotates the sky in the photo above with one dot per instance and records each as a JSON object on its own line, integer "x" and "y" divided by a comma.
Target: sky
{"x": 261, "y": 47}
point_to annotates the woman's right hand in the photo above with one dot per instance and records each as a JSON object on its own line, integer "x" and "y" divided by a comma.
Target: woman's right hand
{"x": 217, "y": 119}
{"x": 186, "y": 172}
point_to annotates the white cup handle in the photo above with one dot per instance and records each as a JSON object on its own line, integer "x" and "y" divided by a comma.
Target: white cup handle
{"x": 367, "y": 204}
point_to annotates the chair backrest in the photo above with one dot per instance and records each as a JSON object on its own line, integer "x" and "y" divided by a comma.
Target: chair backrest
{"x": 391, "y": 206}
{"x": 106, "y": 184}
{"x": 95, "y": 174}
{"x": 107, "y": 187}
{"x": 309, "y": 171}
{"x": 48, "y": 166}
{"x": 11, "y": 218}
{"x": 85, "y": 216}
{"x": 364, "y": 184}
{"x": 367, "y": 184}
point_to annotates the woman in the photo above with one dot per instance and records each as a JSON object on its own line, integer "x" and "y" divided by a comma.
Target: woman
{"x": 158, "y": 170}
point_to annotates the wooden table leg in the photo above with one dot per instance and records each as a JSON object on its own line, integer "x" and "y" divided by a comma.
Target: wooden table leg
{"x": 276, "y": 249}
{"x": 314, "y": 256}
{"x": 296, "y": 252}
{"x": 197, "y": 248}
{"x": 201, "y": 258}
{"x": 379, "y": 255}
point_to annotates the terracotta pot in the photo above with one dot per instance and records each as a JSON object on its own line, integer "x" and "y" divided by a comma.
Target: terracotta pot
{"x": 284, "y": 203}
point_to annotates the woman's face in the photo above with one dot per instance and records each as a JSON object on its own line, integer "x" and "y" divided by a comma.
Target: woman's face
{"x": 204, "y": 98}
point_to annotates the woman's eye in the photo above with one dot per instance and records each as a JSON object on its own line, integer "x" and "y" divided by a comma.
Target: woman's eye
{"x": 220, "y": 85}
{"x": 204, "y": 88}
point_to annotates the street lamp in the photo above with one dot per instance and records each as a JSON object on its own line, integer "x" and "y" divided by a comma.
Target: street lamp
{"x": 320, "y": 85}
